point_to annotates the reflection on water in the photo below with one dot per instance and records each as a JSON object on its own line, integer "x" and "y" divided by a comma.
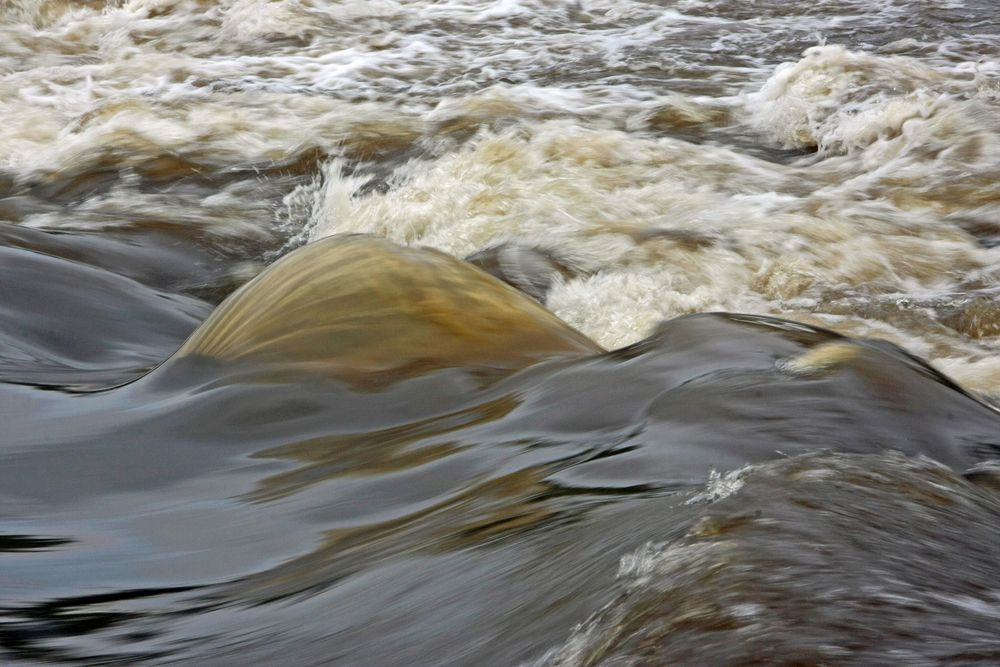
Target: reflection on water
{"x": 218, "y": 499}
{"x": 371, "y": 332}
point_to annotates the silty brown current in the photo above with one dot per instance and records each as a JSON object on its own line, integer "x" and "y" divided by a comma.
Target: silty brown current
{"x": 375, "y": 453}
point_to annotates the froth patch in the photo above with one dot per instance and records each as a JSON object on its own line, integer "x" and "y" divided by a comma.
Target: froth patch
{"x": 822, "y": 358}
{"x": 977, "y": 373}
{"x": 835, "y": 100}
{"x": 655, "y": 227}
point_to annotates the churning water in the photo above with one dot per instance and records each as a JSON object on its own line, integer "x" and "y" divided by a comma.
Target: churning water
{"x": 729, "y": 397}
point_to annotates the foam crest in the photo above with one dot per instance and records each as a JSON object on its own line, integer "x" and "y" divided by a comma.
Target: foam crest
{"x": 840, "y": 101}
{"x": 659, "y": 227}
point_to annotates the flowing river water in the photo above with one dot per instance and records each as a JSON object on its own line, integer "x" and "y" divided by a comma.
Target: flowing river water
{"x": 605, "y": 332}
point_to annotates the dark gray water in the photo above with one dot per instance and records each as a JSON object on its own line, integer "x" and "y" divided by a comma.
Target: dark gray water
{"x": 378, "y": 456}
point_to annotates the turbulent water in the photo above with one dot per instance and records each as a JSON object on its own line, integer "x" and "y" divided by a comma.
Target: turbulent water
{"x": 728, "y": 396}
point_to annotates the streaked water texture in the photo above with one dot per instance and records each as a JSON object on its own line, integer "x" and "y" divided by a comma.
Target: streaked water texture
{"x": 523, "y": 332}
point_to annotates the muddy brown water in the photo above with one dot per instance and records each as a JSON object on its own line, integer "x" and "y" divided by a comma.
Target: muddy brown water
{"x": 736, "y": 402}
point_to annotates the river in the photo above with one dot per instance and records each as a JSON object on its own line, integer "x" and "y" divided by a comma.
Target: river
{"x": 514, "y": 332}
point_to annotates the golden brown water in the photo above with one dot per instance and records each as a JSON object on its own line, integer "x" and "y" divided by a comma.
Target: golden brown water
{"x": 362, "y": 308}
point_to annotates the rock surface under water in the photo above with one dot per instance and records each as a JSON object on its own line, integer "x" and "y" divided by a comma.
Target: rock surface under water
{"x": 228, "y": 494}
{"x": 364, "y": 308}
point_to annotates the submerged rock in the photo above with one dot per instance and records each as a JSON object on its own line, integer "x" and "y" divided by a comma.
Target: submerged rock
{"x": 977, "y": 319}
{"x": 821, "y": 559}
{"x": 62, "y": 322}
{"x": 530, "y": 270}
{"x": 365, "y": 309}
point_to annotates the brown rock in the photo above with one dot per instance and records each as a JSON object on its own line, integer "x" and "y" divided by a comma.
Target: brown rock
{"x": 358, "y": 307}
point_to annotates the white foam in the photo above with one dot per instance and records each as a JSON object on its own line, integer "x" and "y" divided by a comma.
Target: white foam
{"x": 616, "y": 207}
{"x": 720, "y": 486}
